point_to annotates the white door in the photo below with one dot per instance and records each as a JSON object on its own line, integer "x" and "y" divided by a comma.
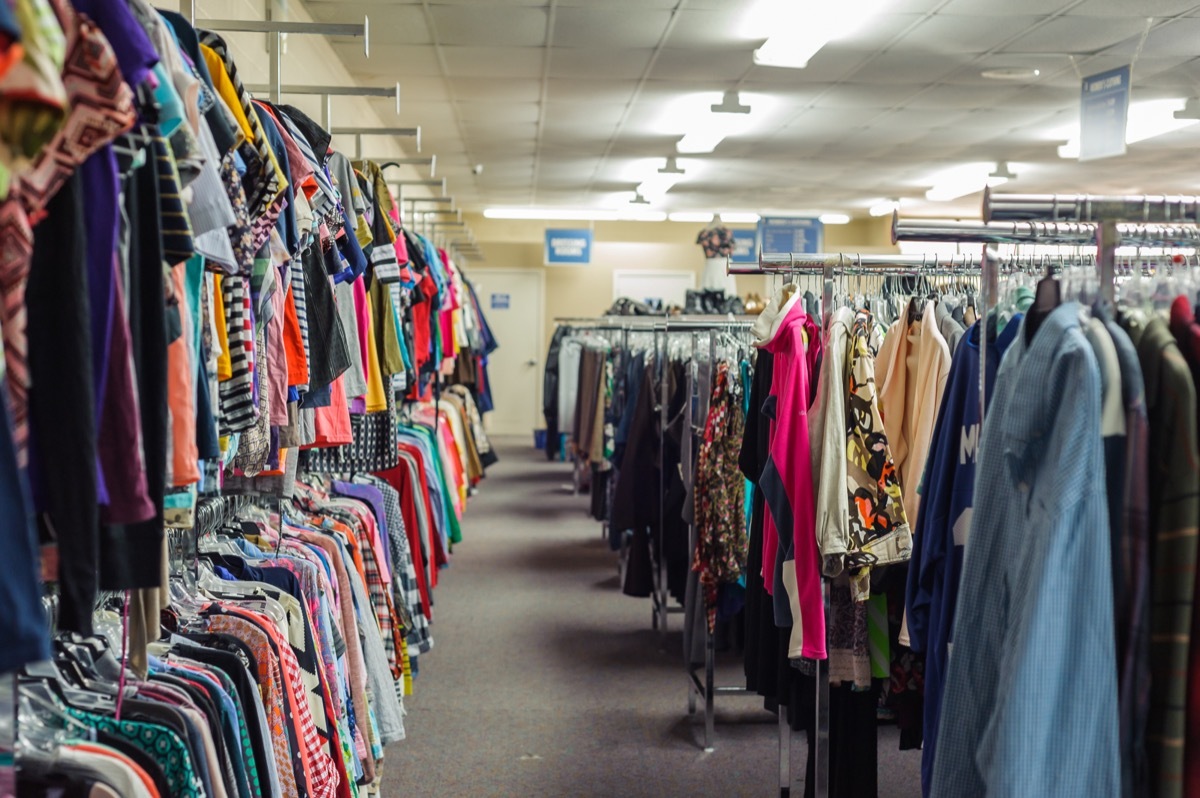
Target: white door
{"x": 653, "y": 288}
{"x": 512, "y": 302}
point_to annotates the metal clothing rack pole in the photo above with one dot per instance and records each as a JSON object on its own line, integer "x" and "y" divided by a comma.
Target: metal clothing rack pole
{"x": 359, "y": 132}
{"x": 706, "y": 688}
{"x": 276, "y": 29}
{"x": 1107, "y": 212}
{"x": 1080, "y": 234}
{"x": 1145, "y": 208}
{"x": 327, "y": 93}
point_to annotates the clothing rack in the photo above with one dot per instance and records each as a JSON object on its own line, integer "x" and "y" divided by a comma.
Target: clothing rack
{"x": 1144, "y": 208}
{"x": 667, "y": 325}
{"x": 831, "y": 266}
{"x": 1080, "y": 234}
{"x": 621, "y": 324}
{"x": 705, "y": 688}
{"x": 625, "y": 325}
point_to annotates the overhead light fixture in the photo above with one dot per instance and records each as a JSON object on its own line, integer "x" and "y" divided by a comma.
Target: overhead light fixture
{"x": 696, "y": 217}
{"x": 731, "y": 103}
{"x": 636, "y": 215}
{"x": 799, "y": 30}
{"x": 701, "y": 141}
{"x": 705, "y": 119}
{"x": 834, "y": 218}
{"x": 1014, "y": 74}
{"x": 967, "y": 179}
{"x": 551, "y": 214}
{"x": 656, "y": 186}
{"x": 739, "y": 217}
{"x": 1001, "y": 174}
{"x": 1147, "y": 120}
{"x": 671, "y": 167}
{"x": 1190, "y": 110}
{"x": 885, "y": 208}
{"x": 639, "y": 199}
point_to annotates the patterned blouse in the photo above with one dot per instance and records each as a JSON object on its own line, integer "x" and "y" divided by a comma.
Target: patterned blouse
{"x": 722, "y": 542}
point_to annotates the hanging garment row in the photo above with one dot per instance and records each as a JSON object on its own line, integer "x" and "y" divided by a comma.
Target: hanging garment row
{"x": 1088, "y": 503}
{"x": 830, "y": 522}
{"x": 200, "y": 296}
{"x": 391, "y": 541}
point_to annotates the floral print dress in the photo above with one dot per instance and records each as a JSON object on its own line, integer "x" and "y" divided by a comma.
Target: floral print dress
{"x": 721, "y": 535}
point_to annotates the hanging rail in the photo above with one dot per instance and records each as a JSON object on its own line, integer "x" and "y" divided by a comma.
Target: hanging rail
{"x": 1036, "y": 232}
{"x": 390, "y": 162}
{"x": 327, "y": 93}
{"x": 1147, "y": 208}
{"x": 815, "y": 263}
{"x": 276, "y": 29}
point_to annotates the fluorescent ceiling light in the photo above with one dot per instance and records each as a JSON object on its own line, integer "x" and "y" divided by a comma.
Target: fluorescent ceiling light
{"x": 798, "y": 30}
{"x": 658, "y": 184}
{"x": 700, "y": 141}
{"x": 834, "y": 218}
{"x": 738, "y": 217}
{"x": 1011, "y": 73}
{"x": 964, "y": 180}
{"x": 1147, "y": 120}
{"x": 694, "y": 117}
{"x": 637, "y": 215}
{"x": 885, "y": 208}
{"x": 551, "y": 214}
{"x": 699, "y": 217}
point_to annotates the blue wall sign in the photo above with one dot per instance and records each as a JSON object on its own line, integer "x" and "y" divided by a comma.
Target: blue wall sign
{"x": 1104, "y": 114}
{"x": 780, "y": 235}
{"x": 568, "y": 247}
{"x": 745, "y": 246}
{"x": 501, "y": 301}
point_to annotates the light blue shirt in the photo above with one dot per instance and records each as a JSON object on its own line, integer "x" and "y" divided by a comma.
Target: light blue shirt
{"x": 1030, "y": 701}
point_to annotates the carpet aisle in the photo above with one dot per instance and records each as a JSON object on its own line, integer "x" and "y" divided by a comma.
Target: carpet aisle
{"x": 545, "y": 681}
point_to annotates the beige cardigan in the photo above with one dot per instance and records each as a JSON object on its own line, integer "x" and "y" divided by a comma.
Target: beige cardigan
{"x": 910, "y": 429}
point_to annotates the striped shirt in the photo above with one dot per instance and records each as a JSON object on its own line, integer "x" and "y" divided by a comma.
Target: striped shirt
{"x": 1174, "y": 518}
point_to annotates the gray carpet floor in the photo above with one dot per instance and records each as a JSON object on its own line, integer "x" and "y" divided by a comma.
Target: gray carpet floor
{"x": 545, "y": 681}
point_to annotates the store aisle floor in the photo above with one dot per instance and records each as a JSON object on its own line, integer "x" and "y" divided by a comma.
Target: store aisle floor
{"x": 545, "y": 681}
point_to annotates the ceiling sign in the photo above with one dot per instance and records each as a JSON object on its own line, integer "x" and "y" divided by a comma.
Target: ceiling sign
{"x": 1104, "y": 114}
{"x": 745, "y": 246}
{"x": 782, "y": 235}
{"x": 568, "y": 247}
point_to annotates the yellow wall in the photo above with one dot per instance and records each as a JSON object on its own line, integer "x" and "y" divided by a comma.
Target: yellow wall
{"x": 658, "y": 246}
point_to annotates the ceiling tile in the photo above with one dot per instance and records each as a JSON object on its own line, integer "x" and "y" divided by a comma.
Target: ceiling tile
{"x": 490, "y": 91}
{"x": 881, "y": 31}
{"x": 389, "y": 63}
{"x": 599, "y": 62}
{"x": 494, "y": 62}
{"x": 908, "y": 69}
{"x": 828, "y": 66}
{"x": 1138, "y": 10}
{"x": 486, "y": 25}
{"x": 605, "y": 26}
{"x": 699, "y": 65}
{"x": 1178, "y": 39}
{"x": 987, "y": 8}
{"x": 591, "y": 115}
{"x": 859, "y": 95}
{"x": 710, "y": 28}
{"x": 1078, "y": 35}
{"x": 958, "y": 34}
{"x": 573, "y": 90}
{"x": 499, "y": 113}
